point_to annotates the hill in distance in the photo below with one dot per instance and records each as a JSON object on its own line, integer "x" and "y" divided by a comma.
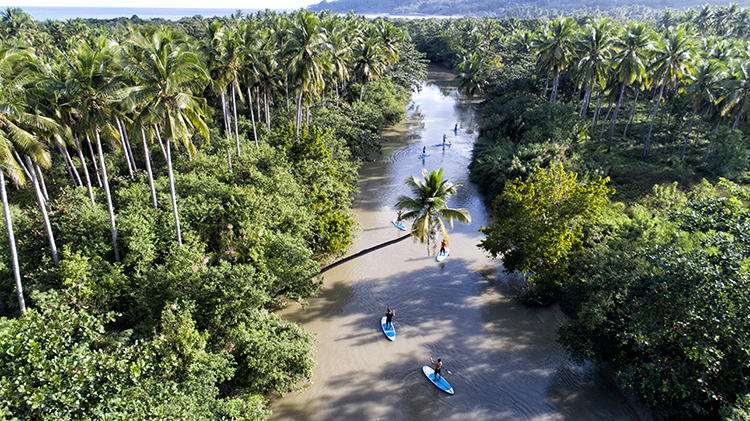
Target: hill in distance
{"x": 498, "y": 7}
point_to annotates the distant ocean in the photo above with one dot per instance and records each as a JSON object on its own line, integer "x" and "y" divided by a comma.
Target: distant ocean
{"x": 65, "y": 13}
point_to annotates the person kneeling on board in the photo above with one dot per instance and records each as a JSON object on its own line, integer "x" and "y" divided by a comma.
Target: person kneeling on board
{"x": 389, "y": 318}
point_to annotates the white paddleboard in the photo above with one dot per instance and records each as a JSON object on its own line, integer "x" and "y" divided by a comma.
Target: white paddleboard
{"x": 390, "y": 332}
{"x": 441, "y": 383}
{"x": 444, "y": 255}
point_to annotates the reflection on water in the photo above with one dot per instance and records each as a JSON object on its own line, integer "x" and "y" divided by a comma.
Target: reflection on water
{"x": 502, "y": 357}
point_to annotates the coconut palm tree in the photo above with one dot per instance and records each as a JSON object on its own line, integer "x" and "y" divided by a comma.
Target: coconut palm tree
{"x": 630, "y": 63}
{"x": 167, "y": 76}
{"x": 305, "y": 58}
{"x": 428, "y": 206}
{"x": 702, "y": 89}
{"x": 736, "y": 100}
{"x": 595, "y": 50}
{"x": 556, "y": 50}
{"x": 471, "y": 74}
{"x": 13, "y": 135}
{"x": 370, "y": 60}
{"x": 92, "y": 87}
{"x": 673, "y": 61}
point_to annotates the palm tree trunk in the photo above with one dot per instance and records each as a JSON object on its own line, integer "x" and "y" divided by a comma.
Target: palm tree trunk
{"x": 361, "y": 92}
{"x": 110, "y": 208}
{"x": 632, "y": 113}
{"x": 127, "y": 145}
{"x": 687, "y": 136}
{"x": 257, "y": 102}
{"x": 93, "y": 159}
{"x": 20, "y": 163}
{"x": 124, "y": 148}
{"x": 736, "y": 119}
{"x": 41, "y": 181}
{"x": 585, "y": 101}
{"x": 299, "y": 111}
{"x": 604, "y": 123}
{"x": 546, "y": 84}
{"x": 85, "y": 170}
{"x": 12, "y": 246}
{"x": 307, "y": 114}
{"x": 651, "y": 127}
{"x": 67, "y": 166}
{"x": 614, "y": 117}
{"x": 286, "y": 94}
{"x": 171, "y": 188}
{"x": 553, "y": 95}
{"x": 363, "y": 252}
{"x": 69, "y": 160}
{"x": 234, "y": 111}
{"x": 148, "y": 168}
{"x": 224, "y": 114}
{"x": 267, "y": 108}
{"x": 43, "y": 210}
{"x": 708, "y": 150}
{"x": 598, "y": 108}
{"x": 252, "y": 115}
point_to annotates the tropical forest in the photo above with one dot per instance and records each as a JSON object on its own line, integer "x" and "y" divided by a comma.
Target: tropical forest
{"x": 205, "y": 218}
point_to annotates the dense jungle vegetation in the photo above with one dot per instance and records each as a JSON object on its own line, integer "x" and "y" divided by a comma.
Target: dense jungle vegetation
{"x": 168, "y": 185}
{"x": 614, "y": 155}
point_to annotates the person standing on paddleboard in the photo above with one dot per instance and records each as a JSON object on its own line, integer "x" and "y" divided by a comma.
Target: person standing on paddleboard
{"x": 398, "y": 217}
{"x": 444, "y": 137}
{"x": 455, "y": 128}
{"x": 438, "y": 366}
{"x": 389, "y": 318}
{"x": 424, "y": 150}
{"x": 442, "y": 245}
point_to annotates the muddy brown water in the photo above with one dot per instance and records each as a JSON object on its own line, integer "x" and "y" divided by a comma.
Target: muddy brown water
{"x": 500, "y": 356}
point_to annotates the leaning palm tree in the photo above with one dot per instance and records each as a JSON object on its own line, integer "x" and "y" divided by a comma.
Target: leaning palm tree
{"x": 595, "y": 49}
{"x": 428, "y": 208}
{"x": 14, "y": 136}
{"x": 429, "y": 205}
{"x": 166, "y": 76}
{"x": 702, "y": 90}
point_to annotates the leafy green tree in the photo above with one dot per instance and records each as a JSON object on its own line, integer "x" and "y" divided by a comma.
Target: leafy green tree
{"x": 541, "y": 221}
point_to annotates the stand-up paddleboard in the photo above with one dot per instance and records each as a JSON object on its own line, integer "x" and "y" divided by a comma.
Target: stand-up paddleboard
{"x": 441, "y": 383}
{"x": 444, "y": 144}
{"x": 399, "y": 225}
{"x": 444, "y": 255}
{"x": 390, "y": 332}
{"x": 423, "y": 156}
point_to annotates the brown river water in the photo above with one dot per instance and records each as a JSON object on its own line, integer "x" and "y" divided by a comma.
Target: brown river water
{"x": 500, "y": 357}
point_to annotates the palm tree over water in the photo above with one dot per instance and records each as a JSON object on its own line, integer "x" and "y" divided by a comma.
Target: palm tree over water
{"x": 428, "y": 206}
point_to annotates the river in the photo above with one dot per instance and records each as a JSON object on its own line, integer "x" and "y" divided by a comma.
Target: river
{"x": 500, "y": 356}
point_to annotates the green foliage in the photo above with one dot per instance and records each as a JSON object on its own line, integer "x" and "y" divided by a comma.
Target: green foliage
{"x": 520, "y": 135}
{"x": 540, "y": 222}
{"x": 669, "y": 309}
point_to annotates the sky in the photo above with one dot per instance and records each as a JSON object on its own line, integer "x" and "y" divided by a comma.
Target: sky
{"x": 214, "y": 4}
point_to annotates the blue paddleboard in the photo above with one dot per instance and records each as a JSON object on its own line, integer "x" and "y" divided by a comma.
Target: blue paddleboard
{"x": 390, "y": 332}
{"x": 399, "y": 225}
{"x": 441, "y": 383}
{"x": 444, "y": 255}
{"x": 444, "y": 144}
{"x": 423, "y": 156}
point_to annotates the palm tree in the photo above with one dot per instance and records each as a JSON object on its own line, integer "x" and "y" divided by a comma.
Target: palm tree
{"x": 630, "y": 63}
{"x": 673, "y": 61}
{"x": 736, "y": 100}
{"x": 471, "y": 74}
{"x": 428, "y": 208}
{"x": 370, "y": 61}
{"x": 13, "y": 136}
{"x": 91, "y": 87}
{"x": 306, "y": 61}
{"x": 595, "y": 48}
{"x": 702, "y": 91}
{"x": 556, "y": 50}
{"x": 167, "y": 75}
